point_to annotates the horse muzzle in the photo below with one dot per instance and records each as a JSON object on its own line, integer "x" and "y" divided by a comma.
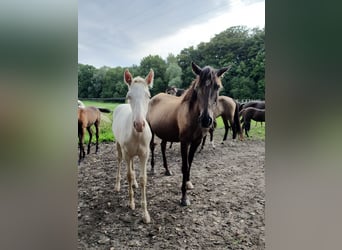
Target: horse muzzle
{"x": 205, "y": 121}
{"x": 139, "y": 126}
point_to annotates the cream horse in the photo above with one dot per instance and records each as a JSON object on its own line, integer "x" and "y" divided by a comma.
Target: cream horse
{"x": 133, "y": 135}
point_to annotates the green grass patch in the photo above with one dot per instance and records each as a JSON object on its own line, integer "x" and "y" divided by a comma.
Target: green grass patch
{"x": 257, "y": 130}
{"x": 106, "y": 135}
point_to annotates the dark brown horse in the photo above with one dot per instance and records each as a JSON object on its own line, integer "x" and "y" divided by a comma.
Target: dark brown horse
{"x": 88, "y": 116}
{"x": 254, "y": 104}
{"x": 228, "y": 109}
{"x": 185, "y": 119}
{"x": 249, "y": 114}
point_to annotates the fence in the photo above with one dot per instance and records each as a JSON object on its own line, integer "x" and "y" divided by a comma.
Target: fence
{"x": 114, "y": 99}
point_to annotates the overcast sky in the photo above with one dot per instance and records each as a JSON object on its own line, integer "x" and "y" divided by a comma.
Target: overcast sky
{"x": 122, "y": 32}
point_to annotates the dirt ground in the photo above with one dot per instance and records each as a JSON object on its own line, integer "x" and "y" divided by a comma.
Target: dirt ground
{"x": 227, "y": 202}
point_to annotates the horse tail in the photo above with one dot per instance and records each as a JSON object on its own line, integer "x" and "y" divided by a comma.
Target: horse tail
{"x": 237, "y": 124}
{"x": 104, "y": 110}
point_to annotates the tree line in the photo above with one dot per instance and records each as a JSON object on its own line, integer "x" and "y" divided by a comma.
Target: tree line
{"x": 242, "y": 48}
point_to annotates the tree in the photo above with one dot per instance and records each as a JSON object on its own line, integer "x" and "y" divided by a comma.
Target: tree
{"x": 85, "y": 80}
{"x": 173, "y": 75}
{"x": 159, "y": 67}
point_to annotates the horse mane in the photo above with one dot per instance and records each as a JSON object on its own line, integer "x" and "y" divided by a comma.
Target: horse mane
{"x": 190, "y": 94}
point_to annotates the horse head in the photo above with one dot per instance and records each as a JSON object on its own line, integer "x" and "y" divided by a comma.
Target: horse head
{"x": 138, "y": 96}
{"x": 171, "y": 90}
{"x": 206, "y": 91}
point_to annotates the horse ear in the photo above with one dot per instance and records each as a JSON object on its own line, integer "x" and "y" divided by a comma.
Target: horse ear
{"x": 149, "y": 78}
{"x": 221, "y": 72}
{"x": 128, "y": 77}
{"x": 195, "y": 68}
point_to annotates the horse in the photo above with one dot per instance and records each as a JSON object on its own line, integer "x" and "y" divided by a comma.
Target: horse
{"x": 87, "y": 117}
{"x": 249, "y": 114}
{"x": 133, "y": 135}
{"x": 174, "y": 91}
{"x": 228, "y": 109}
{"x": 254, "y": 104}
{"x": 185, "y": 119}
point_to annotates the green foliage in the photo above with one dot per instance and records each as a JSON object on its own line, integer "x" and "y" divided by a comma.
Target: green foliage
{"x": 173, "y": 75}
{"x": 159, "y": 67}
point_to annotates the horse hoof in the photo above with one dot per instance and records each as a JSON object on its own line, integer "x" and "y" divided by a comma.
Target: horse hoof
{"x": 132, "y": 206}
{"x": 152, "y": 172}
{"x": 189, "y": 185}
{"x": 168, "y": 173}
{"x": 185, "y": 202}
{"x": 146, "y": 218}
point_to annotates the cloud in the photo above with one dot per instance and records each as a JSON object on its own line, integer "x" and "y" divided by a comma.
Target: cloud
{"x": 118, "y": 32}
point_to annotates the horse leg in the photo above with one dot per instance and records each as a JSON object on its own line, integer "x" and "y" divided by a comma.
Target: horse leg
{"x": 118, "y": 176}
{"x": 226, "y": 128}
{"x": 247, "y": 125}
{"x": 90, "y": 136}
{"x": 143, "y": 182}
{"x": 130, "y": 178}
{"x": 135, "y": 183}
{"x": 170, "y": 145}
{"x": 193, "y": 147}
{"x": 211, "y": 133}
{"x": 97, "y": 125}
{"x": 184, "y": 151}
{"x": 163, "y": 149}
{"x": 82, "y": 151}
{"x": 152, "y": 146}
{"x": 80, "y": 143}
{"x": 203, "y": 142}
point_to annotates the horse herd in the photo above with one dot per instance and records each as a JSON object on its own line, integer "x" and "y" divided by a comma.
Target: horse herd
{"x": 184, "y": 116}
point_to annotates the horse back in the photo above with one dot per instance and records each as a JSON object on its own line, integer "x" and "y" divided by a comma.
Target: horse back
{"x": 255, "y": 104}
{"x": 226, "y": 107}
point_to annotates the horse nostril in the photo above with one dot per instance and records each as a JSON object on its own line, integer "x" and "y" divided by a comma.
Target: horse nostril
{"x": 206, "y": 121}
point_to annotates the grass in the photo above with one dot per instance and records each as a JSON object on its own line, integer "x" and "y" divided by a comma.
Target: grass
{"x": 257, "y": 130}
{"x": 106, "y": 135}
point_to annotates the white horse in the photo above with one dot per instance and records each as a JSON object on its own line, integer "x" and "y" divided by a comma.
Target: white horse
{"x": 133, "y": 135}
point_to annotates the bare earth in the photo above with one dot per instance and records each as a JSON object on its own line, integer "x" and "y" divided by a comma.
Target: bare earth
{"x": 227, "y": 202}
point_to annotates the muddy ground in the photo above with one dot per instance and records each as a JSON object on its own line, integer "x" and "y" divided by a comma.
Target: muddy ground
{"x": 227, "y": 202}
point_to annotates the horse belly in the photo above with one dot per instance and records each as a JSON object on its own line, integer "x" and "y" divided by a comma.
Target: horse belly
{"x": 171, "y": 136}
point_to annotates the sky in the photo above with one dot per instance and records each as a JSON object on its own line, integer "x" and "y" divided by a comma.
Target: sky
{"x": 122, "y": 32}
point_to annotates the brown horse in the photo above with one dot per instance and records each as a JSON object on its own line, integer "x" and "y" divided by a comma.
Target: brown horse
{"x": 254, "y": 104}
{"x": 228, "y": 109}
{"x": 88, "y": 116}
{"x": 249, "y": 114}
{"x": 186, "y": 118}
